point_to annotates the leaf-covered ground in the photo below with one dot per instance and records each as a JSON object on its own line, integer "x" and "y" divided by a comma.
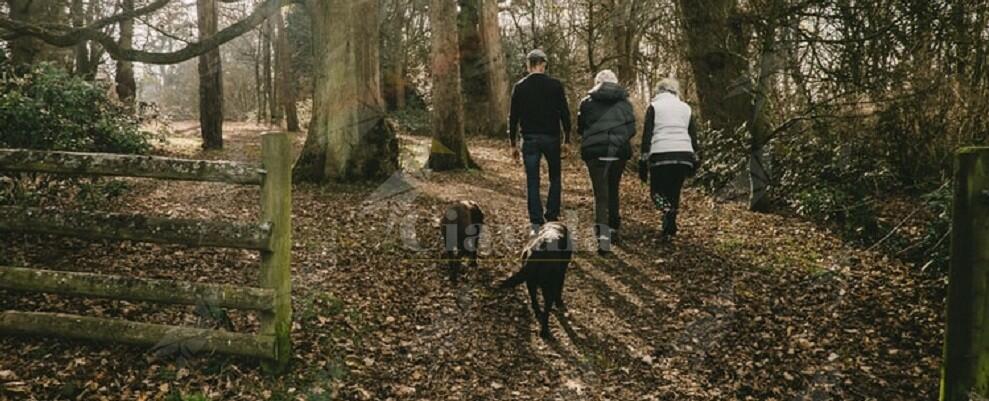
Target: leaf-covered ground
{"x": 741, "y": 306}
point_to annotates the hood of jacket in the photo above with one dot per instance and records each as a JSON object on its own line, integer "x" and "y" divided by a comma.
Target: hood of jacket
{"x": 608, "y": 92}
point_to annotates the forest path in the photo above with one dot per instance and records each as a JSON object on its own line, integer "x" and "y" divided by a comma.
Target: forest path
{"x": 739, "y": 306}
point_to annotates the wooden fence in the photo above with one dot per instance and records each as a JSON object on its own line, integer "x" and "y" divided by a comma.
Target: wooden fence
{"x": 965, "y": 374}
{"x": 272, "y": 237}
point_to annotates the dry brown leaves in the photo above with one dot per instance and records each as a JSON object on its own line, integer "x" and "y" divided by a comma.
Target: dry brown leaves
{"x": 741, "y": 307}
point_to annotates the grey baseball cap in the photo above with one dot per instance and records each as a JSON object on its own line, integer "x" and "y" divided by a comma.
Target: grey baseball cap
{"x": 536, "y": 55}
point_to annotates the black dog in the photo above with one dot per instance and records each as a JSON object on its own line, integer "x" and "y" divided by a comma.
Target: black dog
{"x": 461, "y": 225}
{"x": 544, "y": 266}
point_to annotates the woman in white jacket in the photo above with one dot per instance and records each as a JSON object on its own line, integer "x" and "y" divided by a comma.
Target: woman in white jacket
{"x": 669, "y": 151}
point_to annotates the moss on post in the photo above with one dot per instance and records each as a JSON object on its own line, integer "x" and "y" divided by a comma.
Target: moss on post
{"x": 966, "y": 344}
{"x": 276, "y": 269}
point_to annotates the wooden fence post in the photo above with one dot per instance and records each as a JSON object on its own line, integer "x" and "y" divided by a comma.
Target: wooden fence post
{"x": 276, "y": 268}
{"x": 966, "y": 344}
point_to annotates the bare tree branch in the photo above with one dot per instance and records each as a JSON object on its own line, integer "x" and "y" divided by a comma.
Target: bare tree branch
{"x": 69, "y": 32}
{"x": 73, "y": 36}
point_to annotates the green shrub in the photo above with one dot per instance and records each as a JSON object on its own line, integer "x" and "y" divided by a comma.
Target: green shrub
{"x": 48, "y": 109}
{"x": 845, "y": 209}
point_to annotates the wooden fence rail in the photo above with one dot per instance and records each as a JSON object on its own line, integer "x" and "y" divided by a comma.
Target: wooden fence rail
{"x": 136, "y": 289}
{"x": 271, "y": 236}
{"x": 113, "y": 165}
{"x": 965, "y": 374}
{"x": 138, "y": 228}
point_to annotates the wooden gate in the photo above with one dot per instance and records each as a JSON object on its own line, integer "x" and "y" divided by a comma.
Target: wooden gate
{"x": 271, "y": 236}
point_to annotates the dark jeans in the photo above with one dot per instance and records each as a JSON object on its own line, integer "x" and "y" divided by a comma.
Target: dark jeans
{"x": 533, "y": 150}
{"x": 606, "y": 177}
{"x": 665, "y": 186}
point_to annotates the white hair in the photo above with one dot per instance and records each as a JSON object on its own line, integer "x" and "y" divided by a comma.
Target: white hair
{"x": 670, "y": 85}
{"x": 605, "y": 76}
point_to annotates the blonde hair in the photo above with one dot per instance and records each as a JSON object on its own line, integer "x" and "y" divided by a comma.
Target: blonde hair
{"x": 670, "y": 85}
{"x": 605, "y": 76}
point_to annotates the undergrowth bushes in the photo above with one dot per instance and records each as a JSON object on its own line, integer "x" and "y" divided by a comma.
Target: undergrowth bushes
{"x": 49, "y": 109}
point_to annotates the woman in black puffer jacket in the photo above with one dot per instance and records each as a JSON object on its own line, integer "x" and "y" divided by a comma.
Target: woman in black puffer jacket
{"x": 607, "y": 125}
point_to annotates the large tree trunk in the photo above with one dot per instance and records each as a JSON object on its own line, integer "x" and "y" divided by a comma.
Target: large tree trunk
{"x": 449, "y": 150}
{"x": 495, "y": 67}
{"x": 210, "y": 80}
{"x": 349, "y": 139}
{"x": 473, "y": 80}
{"x": 716, "y": 57}
{"x": 26, "y": 50}
{"x": 285, "y": 74}
{"x": 484, "y": 77}
{"x": 126, "y": 85}
{"x": 716, "y": 50}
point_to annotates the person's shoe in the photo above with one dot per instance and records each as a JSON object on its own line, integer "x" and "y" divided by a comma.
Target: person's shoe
{"x": 616, "y": 239}
{"x": 604, "y": 245}
{"x": 534, "y": 230}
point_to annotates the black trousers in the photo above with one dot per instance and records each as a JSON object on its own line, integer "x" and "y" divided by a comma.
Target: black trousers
{"x": 606, "y": 178}
{"x": 666, "y": 183}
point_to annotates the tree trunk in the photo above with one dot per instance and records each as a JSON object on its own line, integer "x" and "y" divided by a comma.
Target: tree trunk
{"x": 349, "y": 139}
{"x": 259, "y": 79}
{"x": 398, "y": 75}
{"x": 96, "y": 51}
{"x": 274, "y": 71}
{"x": 266, "y": 81}
{"x": 285, "y": 74}
{"x": 210, "y": 80}
{"x": 449, "y": 150}
{"x": 496, "y": 69}
{"x": 623, "y": 42}
{"x": 394, "y": 67}
{"x": 473, "y": 80}
{"x": 714, "y": 52}
{"x": 760, "y": 129}
{"x": 126, "y": 85}
{"x": 26, "y": 50}
{"x": 81, "y": 49}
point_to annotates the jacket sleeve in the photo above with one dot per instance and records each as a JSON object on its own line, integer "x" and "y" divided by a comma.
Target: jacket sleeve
{"x": 647, "y": 130}
{"x": 513, "y": 118}
{"x": 582, "y": 118}
{"x": 630, "y": 122}
{"x": 565, "y": 114}
{"x": 692, "y": 131}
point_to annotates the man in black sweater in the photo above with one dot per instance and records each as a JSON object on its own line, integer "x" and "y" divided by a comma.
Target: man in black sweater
{"x": 539, "y": 107}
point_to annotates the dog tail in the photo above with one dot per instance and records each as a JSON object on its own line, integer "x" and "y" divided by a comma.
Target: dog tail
{"x": 513, "y": 281}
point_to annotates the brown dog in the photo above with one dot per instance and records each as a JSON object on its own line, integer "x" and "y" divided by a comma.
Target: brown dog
{"x": 461, "y": 225}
